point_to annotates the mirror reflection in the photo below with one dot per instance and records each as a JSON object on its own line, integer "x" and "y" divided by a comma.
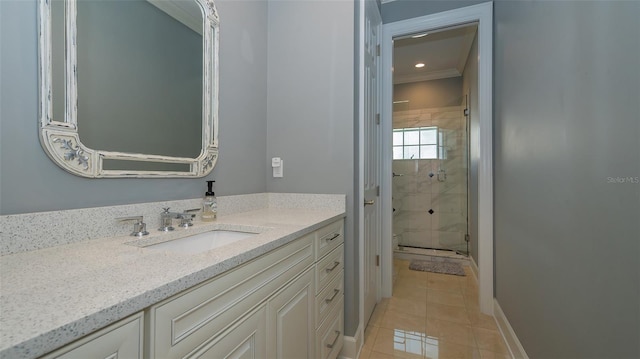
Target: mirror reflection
{"x": 139, "y": 79}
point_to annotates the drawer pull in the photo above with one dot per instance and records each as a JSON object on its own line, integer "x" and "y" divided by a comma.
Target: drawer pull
{"x": 330, "y": 346}
{"x": 335, "y": 293}
{"x": 335, "y": 265}
{"x": 332, "y": 238}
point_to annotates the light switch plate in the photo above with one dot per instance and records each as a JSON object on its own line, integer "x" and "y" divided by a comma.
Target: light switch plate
{"x": 277, "y": 163}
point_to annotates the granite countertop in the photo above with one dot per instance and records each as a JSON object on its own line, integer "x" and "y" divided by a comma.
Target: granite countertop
{"x": 51, "y": 297}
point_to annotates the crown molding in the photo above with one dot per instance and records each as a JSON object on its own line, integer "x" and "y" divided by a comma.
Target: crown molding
{"x": 433, "y": 75}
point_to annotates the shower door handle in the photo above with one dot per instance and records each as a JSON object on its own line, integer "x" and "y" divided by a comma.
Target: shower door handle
{"x": 370, "y": 202}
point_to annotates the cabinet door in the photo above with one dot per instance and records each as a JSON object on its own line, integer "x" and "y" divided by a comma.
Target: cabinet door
{"x": 184, "y": 322}
{"x": 246, "y": 339}
{"x": 290, "y": 320}
{"x": 120, "y": 340}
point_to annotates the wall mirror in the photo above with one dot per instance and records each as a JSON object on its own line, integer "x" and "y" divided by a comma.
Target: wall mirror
{"x": 129, "y": 88}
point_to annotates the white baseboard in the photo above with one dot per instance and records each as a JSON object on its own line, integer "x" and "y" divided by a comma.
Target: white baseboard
{"x": 513, "y": 343}
{"x": 474, "y": 267}
{"x": 352, "y": 345}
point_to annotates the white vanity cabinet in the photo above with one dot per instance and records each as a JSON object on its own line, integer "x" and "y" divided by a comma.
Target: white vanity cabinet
{"x": 283, "y": 327}
{"x": 290, "y": 320}
{"x": 123, "y": 339}
{"x": 269, "y": 307}
{"x": 191, "y": 320}
{"x": 287, "y": 303}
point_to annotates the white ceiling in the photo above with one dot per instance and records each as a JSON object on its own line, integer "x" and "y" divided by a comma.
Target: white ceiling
{"x": 444, "y": 53}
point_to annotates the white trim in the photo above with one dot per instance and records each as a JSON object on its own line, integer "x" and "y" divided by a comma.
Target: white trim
{"x": 352, "y": 345}
{"x": 359, "y": 197}
{"x": 513, "y": 343}
{"x": 474, "y": 268}
{"x": 483, "y": 13}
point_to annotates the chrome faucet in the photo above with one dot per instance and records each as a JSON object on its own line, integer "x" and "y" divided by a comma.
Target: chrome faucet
{"x": 139, "y": 228}
{"x": 186, "y": 218}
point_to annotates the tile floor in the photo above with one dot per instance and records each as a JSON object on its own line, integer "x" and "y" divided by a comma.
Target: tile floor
{"x": 432, "y": 316}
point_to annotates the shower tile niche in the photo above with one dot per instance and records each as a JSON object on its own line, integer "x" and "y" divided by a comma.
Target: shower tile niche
{"x": 438, "y": 185}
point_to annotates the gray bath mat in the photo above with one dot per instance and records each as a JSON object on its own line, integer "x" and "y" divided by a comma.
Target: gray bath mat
{"x": 437, "y": 267}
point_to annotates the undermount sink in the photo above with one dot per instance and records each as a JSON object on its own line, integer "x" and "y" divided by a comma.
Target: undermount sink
{"x": 202, "y": 242}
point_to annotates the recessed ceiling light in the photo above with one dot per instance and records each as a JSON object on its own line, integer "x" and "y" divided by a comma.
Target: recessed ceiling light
{"x": 419, "y": 35}
{"x": 419, "y": 65}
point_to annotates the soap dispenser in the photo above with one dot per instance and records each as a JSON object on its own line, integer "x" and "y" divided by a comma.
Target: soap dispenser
{"x": 209, "y": 204}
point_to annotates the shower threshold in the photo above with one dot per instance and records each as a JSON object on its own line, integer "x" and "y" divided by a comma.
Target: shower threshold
{"x": 412, "y": 251}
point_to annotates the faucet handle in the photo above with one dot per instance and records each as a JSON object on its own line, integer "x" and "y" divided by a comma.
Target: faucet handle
{"x": 139, "y": 228}
{"x": 165, "y": 220}
{"x": 186, "y": 217}
{"x": 185, "y": 221}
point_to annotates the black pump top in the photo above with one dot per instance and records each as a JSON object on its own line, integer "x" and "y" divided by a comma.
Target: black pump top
{"x": 210, "y": 191}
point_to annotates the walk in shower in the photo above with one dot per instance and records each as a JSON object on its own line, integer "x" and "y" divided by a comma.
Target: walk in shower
{"x": 435, "y": 75}
{"x": 430, "y": 179}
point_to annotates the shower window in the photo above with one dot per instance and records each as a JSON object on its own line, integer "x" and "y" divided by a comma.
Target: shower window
{"x": 415, "y": 143}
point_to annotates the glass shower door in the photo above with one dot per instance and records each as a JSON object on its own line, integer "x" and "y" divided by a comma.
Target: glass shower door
{"x": 430, "y": 194}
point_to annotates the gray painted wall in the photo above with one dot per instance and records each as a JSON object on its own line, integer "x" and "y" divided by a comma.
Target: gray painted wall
{"x": 311, "y": 111}
{"x": 566, "y": 160}
{"x": 470, "y": 89}
{"x": 428, "y": 94}
{"x": 30, "y": 182}
{"x": 310, "y": 127}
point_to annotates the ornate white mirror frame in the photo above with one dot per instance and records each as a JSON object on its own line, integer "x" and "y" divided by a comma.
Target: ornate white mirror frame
{"x": 60, "y": 139}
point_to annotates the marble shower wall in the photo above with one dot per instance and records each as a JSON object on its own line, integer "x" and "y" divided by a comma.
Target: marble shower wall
{"x": 415, "y": 192}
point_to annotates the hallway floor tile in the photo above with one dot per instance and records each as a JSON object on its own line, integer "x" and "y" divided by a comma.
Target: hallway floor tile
{"x": 432, "y": 316}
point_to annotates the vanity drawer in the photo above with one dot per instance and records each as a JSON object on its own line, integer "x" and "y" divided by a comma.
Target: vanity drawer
{"x": 330, "y": 336}
{"x": 328, "y": 267}
{"x": 329, "y": 297}
{"x": 328, "y": 238}
{"x": 189, "y": 319}
{"x": 120, "y": 340}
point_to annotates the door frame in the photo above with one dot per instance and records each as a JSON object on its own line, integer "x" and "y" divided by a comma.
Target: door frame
{"x": 483, "y": 14}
